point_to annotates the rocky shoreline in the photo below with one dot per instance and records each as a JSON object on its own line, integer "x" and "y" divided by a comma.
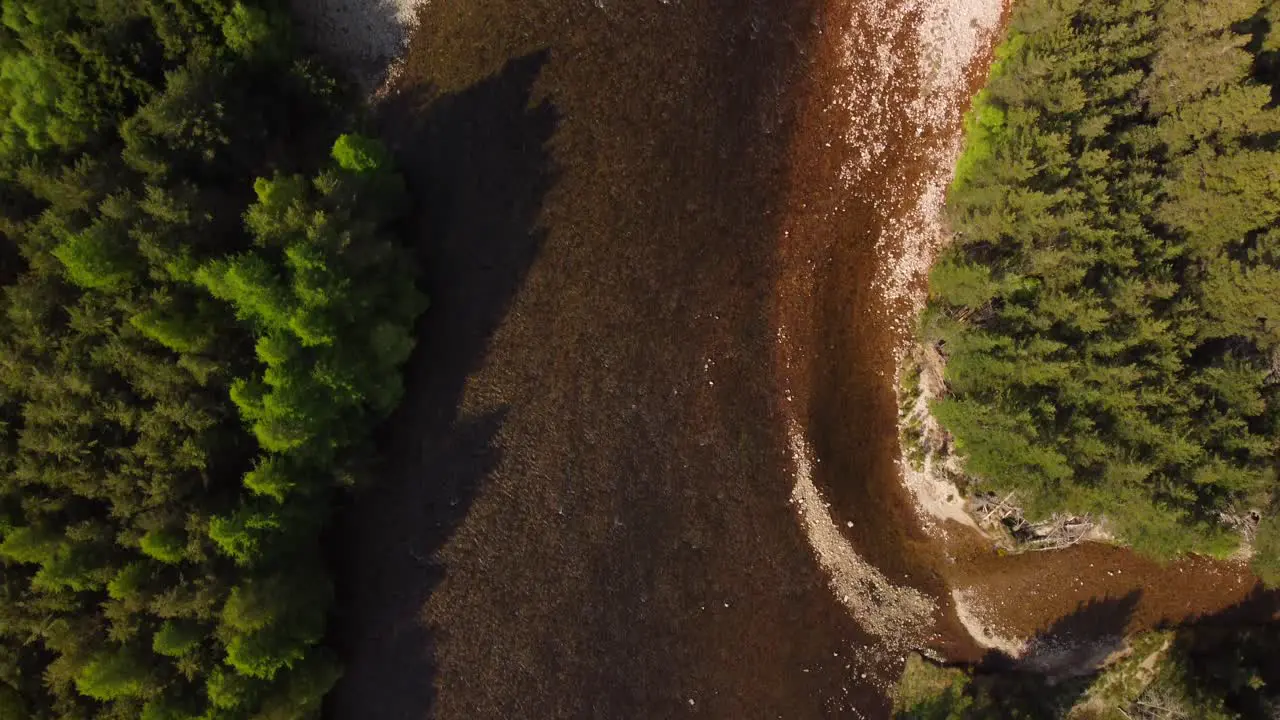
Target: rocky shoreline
{"x": 933, "y": 470}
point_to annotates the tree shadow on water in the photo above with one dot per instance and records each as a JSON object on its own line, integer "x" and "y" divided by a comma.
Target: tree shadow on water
{"x": 1222, "y": 664}
{"x": 1234, "y": 654}
{"x": 1053, "y": 672}
{"x": 478, "y": 167}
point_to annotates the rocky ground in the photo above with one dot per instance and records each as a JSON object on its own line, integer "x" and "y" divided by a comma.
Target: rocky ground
{"x": 367, "y": 37}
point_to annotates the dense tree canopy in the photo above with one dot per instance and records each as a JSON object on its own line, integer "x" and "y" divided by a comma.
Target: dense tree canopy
{"x": 202, "y": 318}
{"x": 1110, "y": 308}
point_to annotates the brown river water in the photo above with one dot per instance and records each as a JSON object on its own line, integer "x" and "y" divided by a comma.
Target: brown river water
{"x": 666, "y": 243}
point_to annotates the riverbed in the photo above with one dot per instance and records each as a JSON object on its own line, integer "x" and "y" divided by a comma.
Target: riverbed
{"x": 648, "y": 464}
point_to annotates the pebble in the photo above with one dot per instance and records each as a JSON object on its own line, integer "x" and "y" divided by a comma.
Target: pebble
{"x": 370, "y": 34}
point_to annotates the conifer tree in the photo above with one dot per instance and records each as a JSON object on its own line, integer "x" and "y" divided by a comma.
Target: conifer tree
{"x": 1109, "y": 307}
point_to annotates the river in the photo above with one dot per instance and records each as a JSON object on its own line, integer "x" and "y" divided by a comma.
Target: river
{"x": 647, "y": 465}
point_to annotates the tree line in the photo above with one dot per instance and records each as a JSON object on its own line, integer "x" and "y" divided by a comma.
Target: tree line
{"x": 1110, "y": 306}
{"x": 203, "y": 315}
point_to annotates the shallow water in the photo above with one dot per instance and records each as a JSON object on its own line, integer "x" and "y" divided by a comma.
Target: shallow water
{"x": 659, "y": 235}
{"x": 590, "y": 508}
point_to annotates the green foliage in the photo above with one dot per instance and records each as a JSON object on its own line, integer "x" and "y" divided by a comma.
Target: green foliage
{"x": 170, "y": 326}
{"x": 359, "y": 154}
{"x": 985, "y": 121}
{"x": 228, "y": 690}
{"x": 1225, "y": 668}
{"x": 62, "y": 73}
{"x": 982, "y": 125}
{"x": 32, "y": 98}
{"x": 95, "y": 258}
{"x": 248, "y": 29}
{"x": 243, "y": 535}
{"x": 112, "y": 675}
{"x": 329, "y": 360}
{"x": 1109, "y": 307}
{"x": 175, "y": 639}
{"x": 163, "y": 708}
{"x": 271, "y": 622}
{"x": 264, "y": 653}
{"x": 1216, "y": 670}
{"x": 298, "y": 693}
{"x": 963, "y": 283}
{"x": 272, "y": 477}
{"x": 1177, "y": 693}
{"x": 30, "y": 545}
{"x": 1266, "y": 548}
{"x": 928, "y": 692}
{"x": 1119, "y": 685}
{"x": 130, "y": 582}
{"x": 188, "y": 368}
{"x": 164, "y": 545}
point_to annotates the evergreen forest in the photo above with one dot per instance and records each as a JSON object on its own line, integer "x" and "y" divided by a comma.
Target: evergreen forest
{"x": 204, "y": 312}
{"x": 1110, "y": 306}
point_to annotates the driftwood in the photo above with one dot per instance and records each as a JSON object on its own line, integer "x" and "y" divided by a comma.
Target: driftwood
{"x": 1056, "y": 533}
{"x": 1245, "y": 523}
{"x": 998, "y": 510}
{"x": 1158, "y": 705}
{"x": 1060, "y": 532}
{"x": 981, "y": 311}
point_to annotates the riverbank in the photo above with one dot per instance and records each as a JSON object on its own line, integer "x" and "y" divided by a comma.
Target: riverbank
{"x": 367, "y": 39}
{"x": 1011, "y": 598}
{"x": 1007, "y": 598}
{"x": 874, "y": 145}
{"x": 1009, "y": 594}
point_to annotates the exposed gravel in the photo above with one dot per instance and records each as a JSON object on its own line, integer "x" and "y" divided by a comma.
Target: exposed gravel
{"x": 980, "y": 622}
{"x": 899, "y": 615}
{"x": 936, "y": 497}
{"x": 902, "y": 83}
{"x": 368, "y": 36}
{"x": 918, "y": 55}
